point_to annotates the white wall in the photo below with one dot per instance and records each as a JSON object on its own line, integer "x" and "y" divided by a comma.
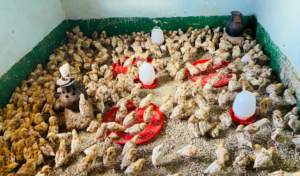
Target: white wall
{"x": 24, "y": 23}
{"x": 79, "y": 9}
{"x": 280, "y": 18}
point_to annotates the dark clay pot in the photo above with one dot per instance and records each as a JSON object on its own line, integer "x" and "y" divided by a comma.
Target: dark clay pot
{"x": 235, "y": 26}
{"x": 70, "y": 95}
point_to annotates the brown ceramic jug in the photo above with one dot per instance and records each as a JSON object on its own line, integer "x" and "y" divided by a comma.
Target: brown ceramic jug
{"x": 235, "y": 26}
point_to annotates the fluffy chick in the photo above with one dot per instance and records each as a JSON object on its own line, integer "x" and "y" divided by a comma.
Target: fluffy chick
{"x": 129, "y": 119}
{"x": 277, "y": 119}
{"x": 45, "y": 171}
{"x": 158, "y": 155}
{"x": 128, "y": 158}
{"x": 113, "y": 126}
{"x": 148, "y": 114}
{"x": 46, "y": 148}
{"x": 177, "y": 112}
{"x": 188, "y": 151}
{"x": 84, "y": 106}
{"x": 215, "y": 168}
{"x": 223, "y": 98}
{"x": 61, "y": 155}
{"x": 222, "y": 153}
{"x": 121, "y": 113}
{"x": 86, "y": 164}
{"x": 243, "y": 139}
{"x": 193, "y": 127}
{"x": 226, "y": 120}
{"x": 101, "y": 131}
{"x": 167, "y": 108}
{"x": 263, "y": 157}
{"x": 146, "y": 101}
{"x": 109, "y": 156}
{"x": 76, "y": 142}
{"x": 243, "y": 160}
{"x": 289, "y": 98}
{"x": 95, "y": 124}
{"x": 29, "y": 168}
{"x": 253, "y": 128}
{"x": 134, "y": 168}
{"x": 130, "y": 144}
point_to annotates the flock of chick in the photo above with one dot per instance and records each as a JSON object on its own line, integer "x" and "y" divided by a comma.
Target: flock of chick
{"x": 31, "y": 115}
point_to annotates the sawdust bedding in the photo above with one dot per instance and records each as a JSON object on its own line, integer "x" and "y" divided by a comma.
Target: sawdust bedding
{"x": 175, "y": 135}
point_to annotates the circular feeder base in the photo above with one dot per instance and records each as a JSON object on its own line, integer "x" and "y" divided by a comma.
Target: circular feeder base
{"x": 242, "y": 121}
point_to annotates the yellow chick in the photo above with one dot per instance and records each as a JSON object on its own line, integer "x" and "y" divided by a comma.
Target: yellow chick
{"x": 214, "y": 130}
{"x": 223, "y": 98}
{"x": 253, "y": 128}
{"x": 121, "y": 113}
{"x": 128, "y": 158}
{"x": 45, "y": 171}
{"x": 29, "y": 168}
{"x": 53, "y": 125}
{"x": 57, "y": 138}
{"x": 41, "y": 128}
{"x": 61, "y": 155}
{"x": 275, "y": 99}
{"x": 129, "y": 119}
{"x": 180, "y": 75}
{"x": 226, "y": 120}
{"x": 263, "y": 157}
{"x": 193, "y": 70}
{"x": 167, "y": 108}
{"x": 38, "y": 118}
{"x": 37, "y": 154}
{"x": 177, "y": 112}
{"x": 232, "y": 85}
{"x": 215, "y": 168}
{"x": 86, "y": 164}
{"x": 109, "y": 157}
{"x": 113, "y": 126}
{"x": 203, "y": 113}
{"x": 289, "y": 98}
{"x": 76, "y": 142}
{"x": 27, "y": 151}
{"x": 277, "y": 119}
{"x": 84, "y": 106}
{"x": 188, "y": 151}
{"x": 264, "y": 106}
{"x": 136, "y": 129}
{"x": 46, "y": 148}
{"x": 95, "y": 124}
{"x": 274, "y": 87}
{"x": 222, "y": 153}
{"x": 243, "y": 160}
{"x": 146, "y": 101}
{"x": 101, "y": 131}
{"x": 148, "y": 114}
{"x": 130, "y": 144}
{"x": 93, "y": 150}
{"x": 204, "y": 126}
{"x": 193, "y": 127}
{"x": 109, "y": 141}
{"x": 243, "y": 139}
{"x": 134, "y": 168}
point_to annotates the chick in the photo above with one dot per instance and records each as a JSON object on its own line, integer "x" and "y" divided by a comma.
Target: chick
{"x": 121, "y": 113}
{"x": 29, "y": 168}
{"x": 193, "y": 127}
{"x": 61, "y": 155}
{"x": 243, "y": 160}
{"x": 76, "y": 142}
{"x": 226, "y": 120}
{"x": 45, "y": 171}
{"x": 277, "y": 119}
{"x": 146, "y": 101}
{"x": 203, "y": 113}
{"x": 86, "y": 164}
{"x": 275, "y": 99}
{"x": 190, "y": 109}
{"x": 222, "y": 153}
{"x": 84, "y": 106}
{"x": 263, "y": 157}
{"x": 101, "y": 131}
{"x": 148, "y": 114}
{"x": 109, "y": 156}
{"x": 182, "y": 97}
{"x": 53, "y": 125}
{"x": 95, "y": 124}
{"x": 289, "y": 98}
{"x": 128, "y": 158}
{"x": 180, "y": 75}
{"x": 113, "y": 126}
{"x": 243, "y": 139}
{"x": 93, "y": 150}
{"x": 129, "y": 119}
{"x": 188, "y": 151}
{"x": 294, "y": 123}
{"x": 215, "y": 168}
{"x": 204, "y": 126}
{"x": 214, "y": 130}
{"x": 253, "y": 128}
{"x": 264, "y": 106}
{"x": 223, "y": 98}
{"x": 279, "y": 137}
{"x": 274, "y": 87}
{"x": 232, "y": 85}
{"x": 167, "y": 108}
{"x": 179, "y": 92}
{"x": 158, "y": 155}
{"x": 46, "y": 148}
{"x": 292, "y": 112}
{"x": 134, "y": 168}
{"x": 57, "y": 138}
{"x": 109, "y": 141}
{"x": 193, "y": 70}
{"x": 37, "y": 154}
{"x": 38, "y": 118}
{"x": 136, "y": 90}
{"x": 177, "y": 112}
{"x": 41, "y": 128}
{"x": 209, "y": 96}
{"x": 136, "y": 129}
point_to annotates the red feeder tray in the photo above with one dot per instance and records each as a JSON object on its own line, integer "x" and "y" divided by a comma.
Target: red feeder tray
{"x": 155, "y": 82}
{"x": 149, "y": 132}
{"x": 207, "y": 75}
{"x": 242, "y": 121}
{"x": 138, "y": 59}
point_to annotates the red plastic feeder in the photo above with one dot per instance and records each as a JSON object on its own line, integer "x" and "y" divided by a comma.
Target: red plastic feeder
{"x": 242, "y": 121}
{"x": 138, "y": 59}
{"x": 150, "y": 130}
{"x": 205, "y": 76}
{"x": 153, "y": 85}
